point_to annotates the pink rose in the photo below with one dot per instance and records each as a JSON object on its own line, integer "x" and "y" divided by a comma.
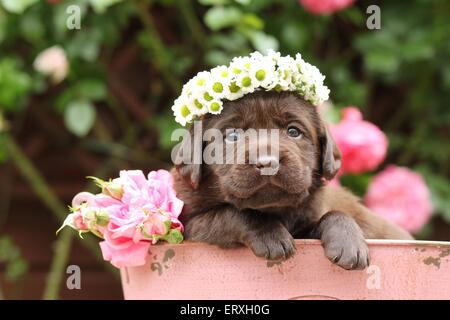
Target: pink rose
{"x": 401, "y": 196}
{"x": 123, "y": 245}
{"x": 131, "y": 213}
{"x": 147, "y": 211}
{"x": 362, "y": 144}
{"x": 156, "y": 193}
{"x": 165, "y": 195}
{"x": 126, "y": 254}
{"x": 322, "y": 7}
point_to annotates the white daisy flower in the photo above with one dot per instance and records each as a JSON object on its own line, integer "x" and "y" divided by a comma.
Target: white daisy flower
{"x": 199, "y": 106}
{"x": 215, "y": 106}
{"x": 262, "y": 72}
{"x": 286, "y": 70}
{"x": 239, "y": 65}
{"x": 218, "y": 84}
{"x": 275, "y": 56}
{"x": 256, "y": 55}
{"x": 236, "y": 91}
{"x": 182, "y": 110}
{"x": 196, "y": 83}
{"x": 244, "y": 81}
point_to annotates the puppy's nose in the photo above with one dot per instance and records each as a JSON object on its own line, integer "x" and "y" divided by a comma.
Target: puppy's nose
{"x": 267, "y": 161}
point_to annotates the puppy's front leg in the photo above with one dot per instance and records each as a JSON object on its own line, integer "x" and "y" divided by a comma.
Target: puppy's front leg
{"x": 228, "y": 227}
{"x": 342, "y": 240}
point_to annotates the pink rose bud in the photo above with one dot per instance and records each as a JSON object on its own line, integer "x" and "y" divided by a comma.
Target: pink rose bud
{"x": 102, "y": 218}
{"x": 81, "y": 198}
{"x": 78, "y": 222}
{"x": 362, "y": 144}
{"x": 155, "y": 226}
{"x": 112, "y": 188}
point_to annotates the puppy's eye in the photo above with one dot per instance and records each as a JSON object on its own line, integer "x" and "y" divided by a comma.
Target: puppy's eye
{"x": 294, "y": 132}
{"x": 232, "y": 136}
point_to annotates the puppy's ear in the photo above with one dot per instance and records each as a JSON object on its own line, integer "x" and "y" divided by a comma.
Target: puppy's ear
{"x": 187, "y": 156}
{"x": 331, "y": 156}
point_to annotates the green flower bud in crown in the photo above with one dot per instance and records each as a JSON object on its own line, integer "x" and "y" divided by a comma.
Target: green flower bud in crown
{"x": 207, "y": 91}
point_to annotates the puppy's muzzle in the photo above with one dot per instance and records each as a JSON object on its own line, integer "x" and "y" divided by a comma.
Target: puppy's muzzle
{"x": 267, "y": 165}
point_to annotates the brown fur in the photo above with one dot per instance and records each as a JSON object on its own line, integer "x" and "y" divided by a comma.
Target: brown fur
{"x": 232, "y": 204}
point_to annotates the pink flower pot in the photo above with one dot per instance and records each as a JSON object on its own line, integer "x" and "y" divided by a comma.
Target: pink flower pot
{"x": 398, "y": 270}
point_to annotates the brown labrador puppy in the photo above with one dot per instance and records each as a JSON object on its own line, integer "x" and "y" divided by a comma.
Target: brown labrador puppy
{"x": 233, "y": 204}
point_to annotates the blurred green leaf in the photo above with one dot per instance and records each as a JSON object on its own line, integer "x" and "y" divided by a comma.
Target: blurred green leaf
{"x": 32, "y": 27}
{"x": 16, "y": 269}
{"x": 263, "y": 42}
{"x": 244, "y": 2}
{"x": 15, "y": 85}
{"x": 16, "y": 266}
{"x": 17, "y": 6}
{"x": 85, "y": 89}
{"x": 354, "y": 15}
{"x": 252, "y": 21}
{"x": 217, "y": 57}
{"x": 217, "y": 18}
{"x": 100, "y": 6}
{"x": 213, "y": 2}
{"x": 293, "y": 35}
{"x": 3, "y": 23}
{"x": 3, "y": 152}
{"x": 79, "y": 117}
{"x": 446, "y": 75}
{"x": 231, "y": 42}
{"x": 382, "y": 62}
{"x": 165, "y": 129}
{"x": 357, "y": 183}
{"x": 439, "y": 189}
{"x": 91, "y": 89}
{"x": 348, "y": 91}
{"x": 85, "y": 45}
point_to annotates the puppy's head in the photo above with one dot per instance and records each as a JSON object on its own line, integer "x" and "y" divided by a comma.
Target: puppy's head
{"x": 275, "y": 149}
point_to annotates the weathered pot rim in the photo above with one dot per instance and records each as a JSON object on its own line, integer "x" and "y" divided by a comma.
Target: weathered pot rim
{"x": 370, "y": 242}
{"x": 399, "y": 269}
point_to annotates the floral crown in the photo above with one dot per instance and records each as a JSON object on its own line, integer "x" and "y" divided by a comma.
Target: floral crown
{"x": 206, "y": 92}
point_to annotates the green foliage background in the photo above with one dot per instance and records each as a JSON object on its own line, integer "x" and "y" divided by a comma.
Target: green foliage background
{"x": 399, "y": 75}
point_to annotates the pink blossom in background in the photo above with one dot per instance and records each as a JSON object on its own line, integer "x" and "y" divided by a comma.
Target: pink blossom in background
{"x": 323, "y": 7}
{"x": 401, "y": 196}
{"x": 52, "y": 62}
{"x": 362, "y": 144}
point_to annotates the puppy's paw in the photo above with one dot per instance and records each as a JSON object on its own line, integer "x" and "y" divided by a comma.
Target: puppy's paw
{"x": 276, "y": 244}
{"x": 347, "y": 252}
{"x": 343, "y": 241}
